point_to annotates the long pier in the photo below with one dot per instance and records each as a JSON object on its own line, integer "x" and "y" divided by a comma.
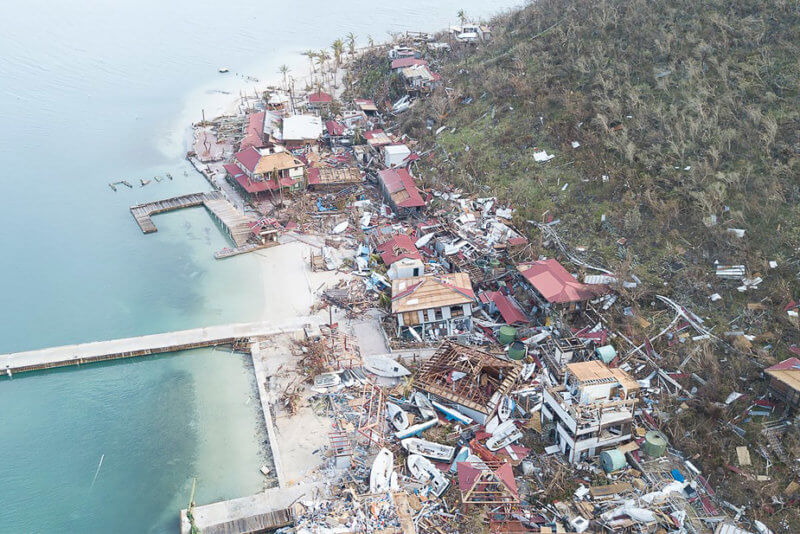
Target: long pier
{"x": 236, "y": 224}
{"x": 99, "y": 351}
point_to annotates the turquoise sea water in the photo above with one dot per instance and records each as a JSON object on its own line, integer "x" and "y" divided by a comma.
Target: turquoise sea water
{"x": 91, "y": 92}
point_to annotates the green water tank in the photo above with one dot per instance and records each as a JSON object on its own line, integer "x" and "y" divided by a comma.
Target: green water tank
{"x": 606, "y": 353}
{"x": 507, "y": 334}
{"x": 654, "y": 444}
{"x": 516, "y": 351}
{"x": 613, "y": 460}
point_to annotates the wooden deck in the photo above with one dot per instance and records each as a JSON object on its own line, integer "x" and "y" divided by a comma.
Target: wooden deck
{"x": 99, "y": 351}
{"x": 235, "y": 224}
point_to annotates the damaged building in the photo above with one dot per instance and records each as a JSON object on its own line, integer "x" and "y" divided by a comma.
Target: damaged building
{"x": 591, "y": 411}
{"x": 432, "y": 307}
{"x": 468, "y": 377}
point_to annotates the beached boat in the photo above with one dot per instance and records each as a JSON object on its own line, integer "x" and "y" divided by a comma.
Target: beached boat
{"x": 264, "y": 470}
{"x": 397, "y": 416}
{"x": 492, "y": 424}
{"x": 347, "y": 378}
{"x": 341, "y": 227}
{"x": 506, "y": 434}
{"x": 416, "y": 430}
{"x": 429, "y": 449}
{"x": 463, "y": 454}
{"x": 383, "y": 366}
{"x": 452, "y": 413}
{"x": 327, "y": 380}
{"x": 380, "y": 477}
{"x": 506, "y": 408}
{"x": 423, "y": 404}
{"x": 527, "y": 371}
{"x": 424, "y": 471}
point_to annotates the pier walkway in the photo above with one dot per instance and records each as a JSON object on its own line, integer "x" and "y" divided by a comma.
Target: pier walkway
{"x": 236, "y": 224}
{"x": 99, "y": 351}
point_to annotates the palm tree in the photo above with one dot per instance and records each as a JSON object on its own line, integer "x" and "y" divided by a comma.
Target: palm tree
{"x": 321, "y": 57}
{"x": 371, "y": 41}
{"x": 462, "y": 16}
{"x": 284, "y": 70}
{"x": 351, "y": 44}
{"x": 310, "y": 54}
{"x": 338, "y": 49}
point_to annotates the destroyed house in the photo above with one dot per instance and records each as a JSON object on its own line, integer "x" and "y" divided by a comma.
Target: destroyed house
{"x": 481, "y": 484}
{"x": 333, "y": 178}
{"x": 784, "y": 381}
{"x": 431, "y": 307}
{"x": 254, "y": 131}
{"x": 319, "y": 100}
{"x": 367, "y": 107}
{"x": 400, "y": 191}
{"x": 257, "y": 172}
{"x": 591, "y": 411}
{"x": 377, "y": 138}
{"x": 553, "y": 285}
{"x": 508, "y": 308}
{"x": 301, "y": 133}
{"x": 419, "y": 78}
{"x": 402, "y": 63}
{"x": 472, "y": 379}
{"x": 401, "y": 257}
{"x": 559, "y": 351}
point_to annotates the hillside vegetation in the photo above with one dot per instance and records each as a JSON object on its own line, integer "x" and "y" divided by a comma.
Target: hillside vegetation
{"x": 688, "y": 119}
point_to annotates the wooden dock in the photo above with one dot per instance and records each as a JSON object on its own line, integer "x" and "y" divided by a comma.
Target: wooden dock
{"x": 235, "y": 223}
{"x": 99, "y": 351}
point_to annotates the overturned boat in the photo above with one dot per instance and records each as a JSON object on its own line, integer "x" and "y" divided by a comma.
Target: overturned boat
{"x": 505, "y": 434}
{"x": 383, "y": 366}
{"x": 380, "y": 477}
{"x": 506, "y": 408}
{"x": 424, "y": 405}
{"x": 424, "y": 471}
{"x": 452, "y": 413}
{"x": 416, "y": 430}
{"x": 430, "y": 449}
{"x": 397, "y": 416}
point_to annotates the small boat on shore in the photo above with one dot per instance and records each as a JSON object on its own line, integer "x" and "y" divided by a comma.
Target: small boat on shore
{"x": 423, "y": 404}
{"x": 416, "y": 430}
{"x": 424, "y": 471}
{"x": 506, "y": 408}
{"x": 327, "y": 380}
{"x": 492, "y": 424}
{"x": 429, "y": 449}
{"x": 462, "y": 456}
{"x": 397, "y": 416}
{"x": 380, "y": 476}
{"x": 383, "y": 366}
{"x": 506, "y": 434}
{"x": 452, "y": 413}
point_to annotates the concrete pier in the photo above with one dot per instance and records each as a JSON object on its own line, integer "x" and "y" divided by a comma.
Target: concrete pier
{"x": 98, "y": 351}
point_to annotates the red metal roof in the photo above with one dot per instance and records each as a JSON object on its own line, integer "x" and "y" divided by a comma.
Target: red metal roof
{"x": 233, "y": 170}
{"x": 407, "y": 62}
{"x": 556, "y": 285}
{"x": 334, "y": 128}
{"x": 509, "y": 309}
{"x": 397, "y": 180}
{"x": 468, "y": 474}
{"x": 254, "y": 135}
{"x": 248, "y": 158}
{"x": 320, "y": 97}
{"x": 785, "y": 365}
{"x": 397, "y": 248}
